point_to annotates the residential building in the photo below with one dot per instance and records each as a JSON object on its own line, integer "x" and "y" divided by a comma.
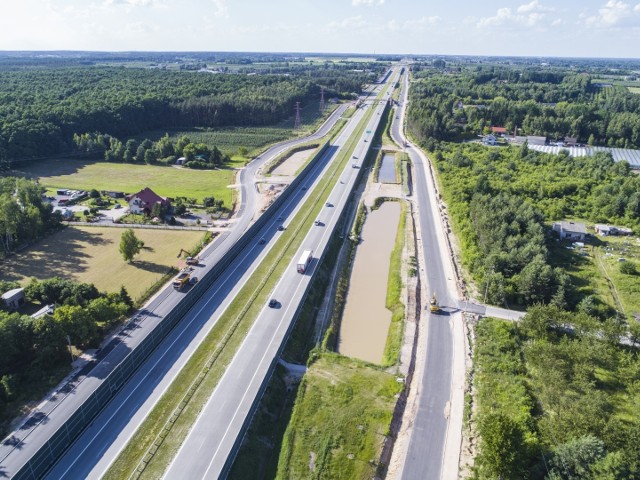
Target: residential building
{"x": 489, "y": 140}
{"x": 571, "y": 230}
{"x": 13, "y": 298}
{"x": 144, "y": 201}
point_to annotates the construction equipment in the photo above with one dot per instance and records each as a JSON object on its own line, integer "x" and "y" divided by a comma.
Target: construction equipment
{"x": 433, "y": 304}
{"x": 182, "y": 279}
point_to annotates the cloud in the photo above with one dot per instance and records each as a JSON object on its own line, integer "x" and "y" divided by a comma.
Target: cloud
{"x": 615, "y": 13}
{"x": 356, "y": 21}
{"x": 220, "y": 8}
{"x": 530, "y": 14}
{"x": 368, "y": 3}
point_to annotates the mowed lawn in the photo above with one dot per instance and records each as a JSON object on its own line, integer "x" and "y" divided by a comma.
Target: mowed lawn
{"x": 90, "y": 254}
{"x": 165, "y": 181}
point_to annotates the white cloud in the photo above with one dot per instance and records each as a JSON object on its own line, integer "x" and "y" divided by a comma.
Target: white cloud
{"x": 356, "y": 21}
{"x": 368, "y": 3}
{"x": 131, "y": 3}
{"x": 220, "y": 8}
{"x": 530, "y": 14}
{"x": 615, "y": 13}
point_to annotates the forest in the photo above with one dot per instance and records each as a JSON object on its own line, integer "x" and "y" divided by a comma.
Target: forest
{"x": 553, "y": 405}
{"x": 556, "y": 103}
{"x": 41, "y": 109}
{"x": 503, "y": 200}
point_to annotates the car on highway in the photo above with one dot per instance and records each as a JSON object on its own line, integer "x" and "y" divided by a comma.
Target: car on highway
{"x": 304, "y": 187}
{"x": 318, "y": 223}
{"x": 355, "y": 157}
{"x": 273, "y": 303}
{"x": 355, "y": 165}
{"x": 193, "y": 280}
{"x": 280, "y": 228}
{"x": 262, "y": 241}
{"x": 328, "y": 204}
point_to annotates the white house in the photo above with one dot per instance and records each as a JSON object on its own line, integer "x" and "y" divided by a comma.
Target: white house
{"x": 13, "y": 298}
{"x": 489, "y": 140}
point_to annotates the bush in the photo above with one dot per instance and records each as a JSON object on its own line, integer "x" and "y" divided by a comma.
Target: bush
{"x": 628, "y": 268}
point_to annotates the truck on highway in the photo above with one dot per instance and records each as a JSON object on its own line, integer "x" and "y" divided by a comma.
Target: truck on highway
{"x": 305, "y": 260}
{"x": 181, "y": 280}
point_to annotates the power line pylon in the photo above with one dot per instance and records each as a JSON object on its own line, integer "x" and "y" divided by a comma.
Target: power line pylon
{"x": 298, "y": 122}
{"x": 322, "y": 105}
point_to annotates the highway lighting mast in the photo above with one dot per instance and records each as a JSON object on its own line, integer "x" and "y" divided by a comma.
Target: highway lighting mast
{"x": 298, "y": 122}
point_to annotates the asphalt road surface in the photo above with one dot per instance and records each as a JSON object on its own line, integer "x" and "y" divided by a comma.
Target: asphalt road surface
{"x": 21, "y": 444}
{"x": 429, "y": 430}
{"x": 211, "y": 445}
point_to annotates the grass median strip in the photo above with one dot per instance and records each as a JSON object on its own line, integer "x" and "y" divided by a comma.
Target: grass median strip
{"x": 222, "y": 341}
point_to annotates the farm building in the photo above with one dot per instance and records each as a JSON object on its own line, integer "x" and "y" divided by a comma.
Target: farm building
{"x": 606, "y": 230}
{"x": 570, "y": 230}
{"x": 144, "y": 201}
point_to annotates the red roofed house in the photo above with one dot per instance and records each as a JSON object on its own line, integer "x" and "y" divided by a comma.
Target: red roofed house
{"x": 499, "y": 130}
{"x": 144, "y": 200}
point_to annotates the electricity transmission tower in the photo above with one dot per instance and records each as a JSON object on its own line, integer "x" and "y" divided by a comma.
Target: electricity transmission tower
{"x": 298, "y": 122}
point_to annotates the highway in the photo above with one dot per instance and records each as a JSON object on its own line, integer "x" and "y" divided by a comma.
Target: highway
{"x": 429, "y": 430}
{"x": 96, "y": 449}
{"x": 212, "y": 443}
{"x": 18, "y": 447}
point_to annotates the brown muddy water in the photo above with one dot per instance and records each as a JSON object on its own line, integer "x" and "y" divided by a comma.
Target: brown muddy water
{"x": 365, "y": 321}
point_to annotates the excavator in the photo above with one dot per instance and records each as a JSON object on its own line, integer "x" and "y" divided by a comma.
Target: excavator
{"x": 433, "y": 304}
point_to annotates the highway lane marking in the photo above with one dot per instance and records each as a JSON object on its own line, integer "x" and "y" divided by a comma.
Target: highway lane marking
{"x": 333, "y": 218}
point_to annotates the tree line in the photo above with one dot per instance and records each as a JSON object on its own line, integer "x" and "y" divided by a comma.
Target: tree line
{"x": 555, "y": 104}
{"x": 164, "y": 151}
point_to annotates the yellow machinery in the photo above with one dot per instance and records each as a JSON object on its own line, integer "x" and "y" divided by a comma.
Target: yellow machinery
{"x": 433, "y": 304}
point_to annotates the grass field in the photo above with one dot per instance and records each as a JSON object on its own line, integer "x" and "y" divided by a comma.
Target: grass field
{"x": 340, "y": 420}
{"x": 593, "y": 267}
{"x": 634, "y": 89}
{"x": 90, "y": 254}
{"x": 165, "y": 181}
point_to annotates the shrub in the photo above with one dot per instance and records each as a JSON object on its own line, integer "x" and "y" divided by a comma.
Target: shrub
{"x": 628, "y": 268}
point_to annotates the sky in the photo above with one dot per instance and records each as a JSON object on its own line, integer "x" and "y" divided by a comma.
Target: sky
{"x": 577, "y": 28}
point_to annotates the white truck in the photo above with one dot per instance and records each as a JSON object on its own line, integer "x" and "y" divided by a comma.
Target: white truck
{"x": 305, "y": 260}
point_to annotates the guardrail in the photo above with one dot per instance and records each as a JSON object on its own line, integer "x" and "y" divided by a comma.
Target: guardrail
{"x": 62, "y": 438}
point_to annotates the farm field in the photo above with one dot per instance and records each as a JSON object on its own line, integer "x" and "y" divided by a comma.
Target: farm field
{"x": 229, "y": 139}
{"x": 90, "y": 254}
{"x": 340, "y": 420}
{"x": 165, "y": 181}
{"x": 634, "y": 89}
